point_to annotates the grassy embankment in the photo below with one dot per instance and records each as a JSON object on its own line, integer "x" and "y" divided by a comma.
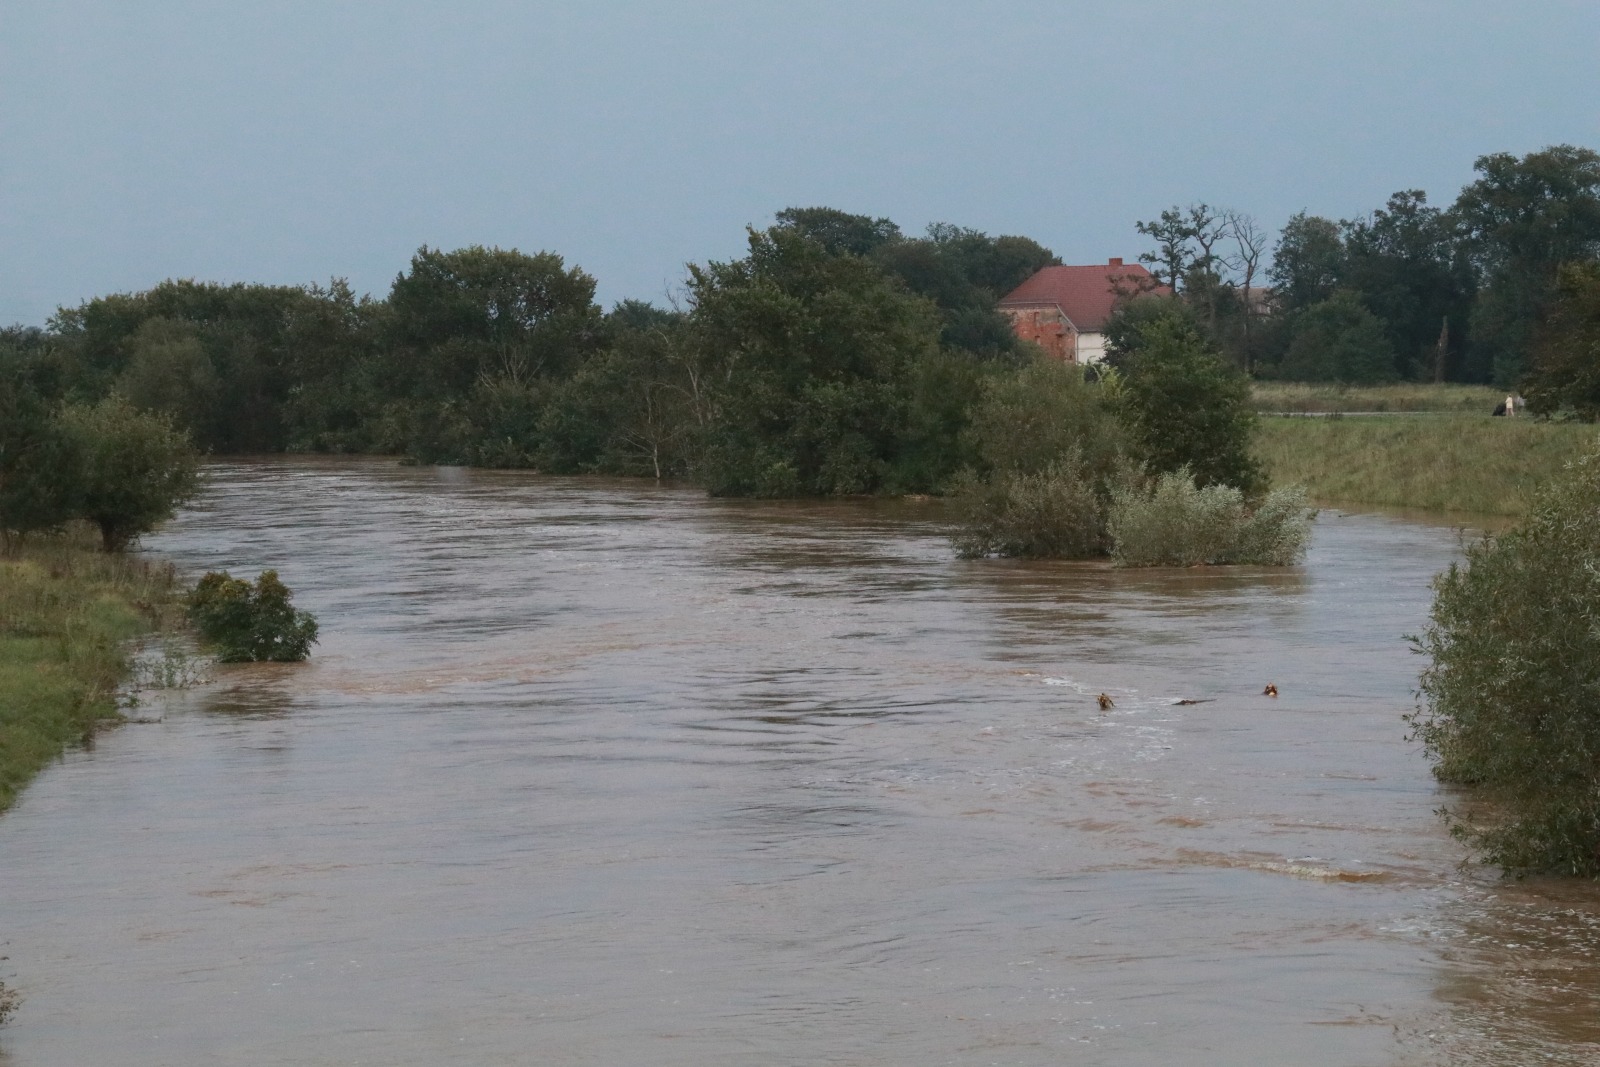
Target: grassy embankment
{"x": 1409, "y": 397}
{"x": 1438, "y": 457}
{"x": 67, "y": 613}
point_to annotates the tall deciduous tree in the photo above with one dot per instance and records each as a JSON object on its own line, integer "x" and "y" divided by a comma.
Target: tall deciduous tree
{"x": 1524, "y": 218}
{"x": 1307, "y": 262}
{"x": 1403, "y": 261}
{"x": 813, "y": 355}
{"x": 1565, "y": 369}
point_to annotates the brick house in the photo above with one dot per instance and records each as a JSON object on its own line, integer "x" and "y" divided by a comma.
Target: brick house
{"x": 1064, "y": 310}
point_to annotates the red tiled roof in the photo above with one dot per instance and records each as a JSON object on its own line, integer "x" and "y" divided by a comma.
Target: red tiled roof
{"x": 1087, "y": 294}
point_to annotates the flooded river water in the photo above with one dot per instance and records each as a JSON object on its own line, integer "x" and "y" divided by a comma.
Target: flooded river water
{"x": 605, "y": 773}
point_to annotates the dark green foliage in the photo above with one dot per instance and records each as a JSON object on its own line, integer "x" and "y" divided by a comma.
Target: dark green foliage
{"x": 1565, "y": 370}
{"x": 1406, "y": 264}
{"x": 1181, "y": 403}
{"x": 963, "y": 271}
{"x": 170, "y": 372}
{"x": 38, "y": 463}
{"x": 1046, "y": 450}
{"x": 1308, "y": 263}
{"x": 250, "y": 623}
{"x": 223, "y": 359}
{"x": 133, "y": 469}
{"x": 475, "y": 339}
{"x": 839, "y": 232}
{"x": 631, "y": 409}
{"x": 808, "y": 359}
{"x": 1339, "y": 340}
{"x": 1512, "y": 691}
{"x": 1057, "y": 512}
{"x": 1032, "y": 419}
{"x": 1524, "y": 218}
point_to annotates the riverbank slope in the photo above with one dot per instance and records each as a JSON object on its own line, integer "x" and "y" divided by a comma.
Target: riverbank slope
{"x": 67, "y": 614}
{"x": 1438, "y": 462}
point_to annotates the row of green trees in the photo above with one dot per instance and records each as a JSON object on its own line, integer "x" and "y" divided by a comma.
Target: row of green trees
{"x": 836, "y": 357}
{"x": 1411, "y": 291}
{"x": 832, "y": 358}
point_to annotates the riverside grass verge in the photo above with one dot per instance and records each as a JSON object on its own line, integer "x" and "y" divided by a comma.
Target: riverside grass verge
{"x": 67, "y": 615}
{"x": 1461, "y": 463}
{"x": 1401, "y": 398}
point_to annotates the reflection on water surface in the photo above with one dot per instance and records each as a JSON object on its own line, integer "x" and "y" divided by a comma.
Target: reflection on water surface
{"x": 599, "y": 772}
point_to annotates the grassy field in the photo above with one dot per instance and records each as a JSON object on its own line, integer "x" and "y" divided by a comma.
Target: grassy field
{"x": 1464, "y": 463}
{"x": 67, "y": 612}
{"x": 1412, "y": 396}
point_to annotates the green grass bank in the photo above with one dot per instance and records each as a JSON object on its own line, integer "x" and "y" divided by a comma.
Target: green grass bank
{"x": 67, "y": 613}
{"x": 1438, "y": 462}
{"x": 1406, "y": 397}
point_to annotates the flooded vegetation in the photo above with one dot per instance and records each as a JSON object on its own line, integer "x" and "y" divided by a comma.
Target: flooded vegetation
{"x": 599, "y": 772}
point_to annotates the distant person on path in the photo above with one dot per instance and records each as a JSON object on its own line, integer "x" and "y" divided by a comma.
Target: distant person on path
{"x": 1511, "y": 404}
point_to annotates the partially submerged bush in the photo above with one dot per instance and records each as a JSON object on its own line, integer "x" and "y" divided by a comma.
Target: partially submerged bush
{"x": 1512, "y": 695}
{"x": 1052, "y": 514}
{"x": 9, "y": 999}
{"x": 248, "y": 623}
{"x": 1171, "y": 522}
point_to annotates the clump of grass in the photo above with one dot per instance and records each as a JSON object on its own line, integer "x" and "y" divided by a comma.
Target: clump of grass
{"x": 9, "y": 1000}
{"x": 1482, "y": 465}
{"x": 1406, "y": 397}
{"x": 1171, "y": 522}
{"x": 67, "y": 613}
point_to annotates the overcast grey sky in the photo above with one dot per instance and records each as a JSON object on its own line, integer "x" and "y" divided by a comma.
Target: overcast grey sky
{"x": 287, "y": 141}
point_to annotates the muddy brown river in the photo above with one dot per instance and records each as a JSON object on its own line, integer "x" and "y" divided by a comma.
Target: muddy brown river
{"x": 591, "y": 772}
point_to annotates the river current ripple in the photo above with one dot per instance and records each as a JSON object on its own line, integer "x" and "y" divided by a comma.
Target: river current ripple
{"x": 598, "y": 772}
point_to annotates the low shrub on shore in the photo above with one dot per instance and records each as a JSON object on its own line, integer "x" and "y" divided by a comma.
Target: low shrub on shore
{"x": 1510, "y": 693}
{"x": 1172, "y": 522}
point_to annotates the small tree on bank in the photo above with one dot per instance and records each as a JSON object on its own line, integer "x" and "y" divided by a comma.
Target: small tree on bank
{"x": 1181, "y": 403}
{"x": 134, "y": 469}
{"x": 1511, "y": 698}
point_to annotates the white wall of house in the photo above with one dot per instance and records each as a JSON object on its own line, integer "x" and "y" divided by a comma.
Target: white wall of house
{"x": 1091, "y": 347}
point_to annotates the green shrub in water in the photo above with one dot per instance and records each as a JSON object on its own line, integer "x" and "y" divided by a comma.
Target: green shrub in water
{"x": 1053, "y": 513}
{"x": 1511, "y": 699}
{"x": 1171, "y": 522}
{"x": 247, "y": 623}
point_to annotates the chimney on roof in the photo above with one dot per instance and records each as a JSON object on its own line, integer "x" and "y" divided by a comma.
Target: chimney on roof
{"x": 1116, "y": 262}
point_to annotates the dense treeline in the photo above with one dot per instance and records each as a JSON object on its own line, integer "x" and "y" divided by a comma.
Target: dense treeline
{"x": 1409, "y": 292}
{"x": 836, "y": 357}
{"x": 840, "y": 355}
